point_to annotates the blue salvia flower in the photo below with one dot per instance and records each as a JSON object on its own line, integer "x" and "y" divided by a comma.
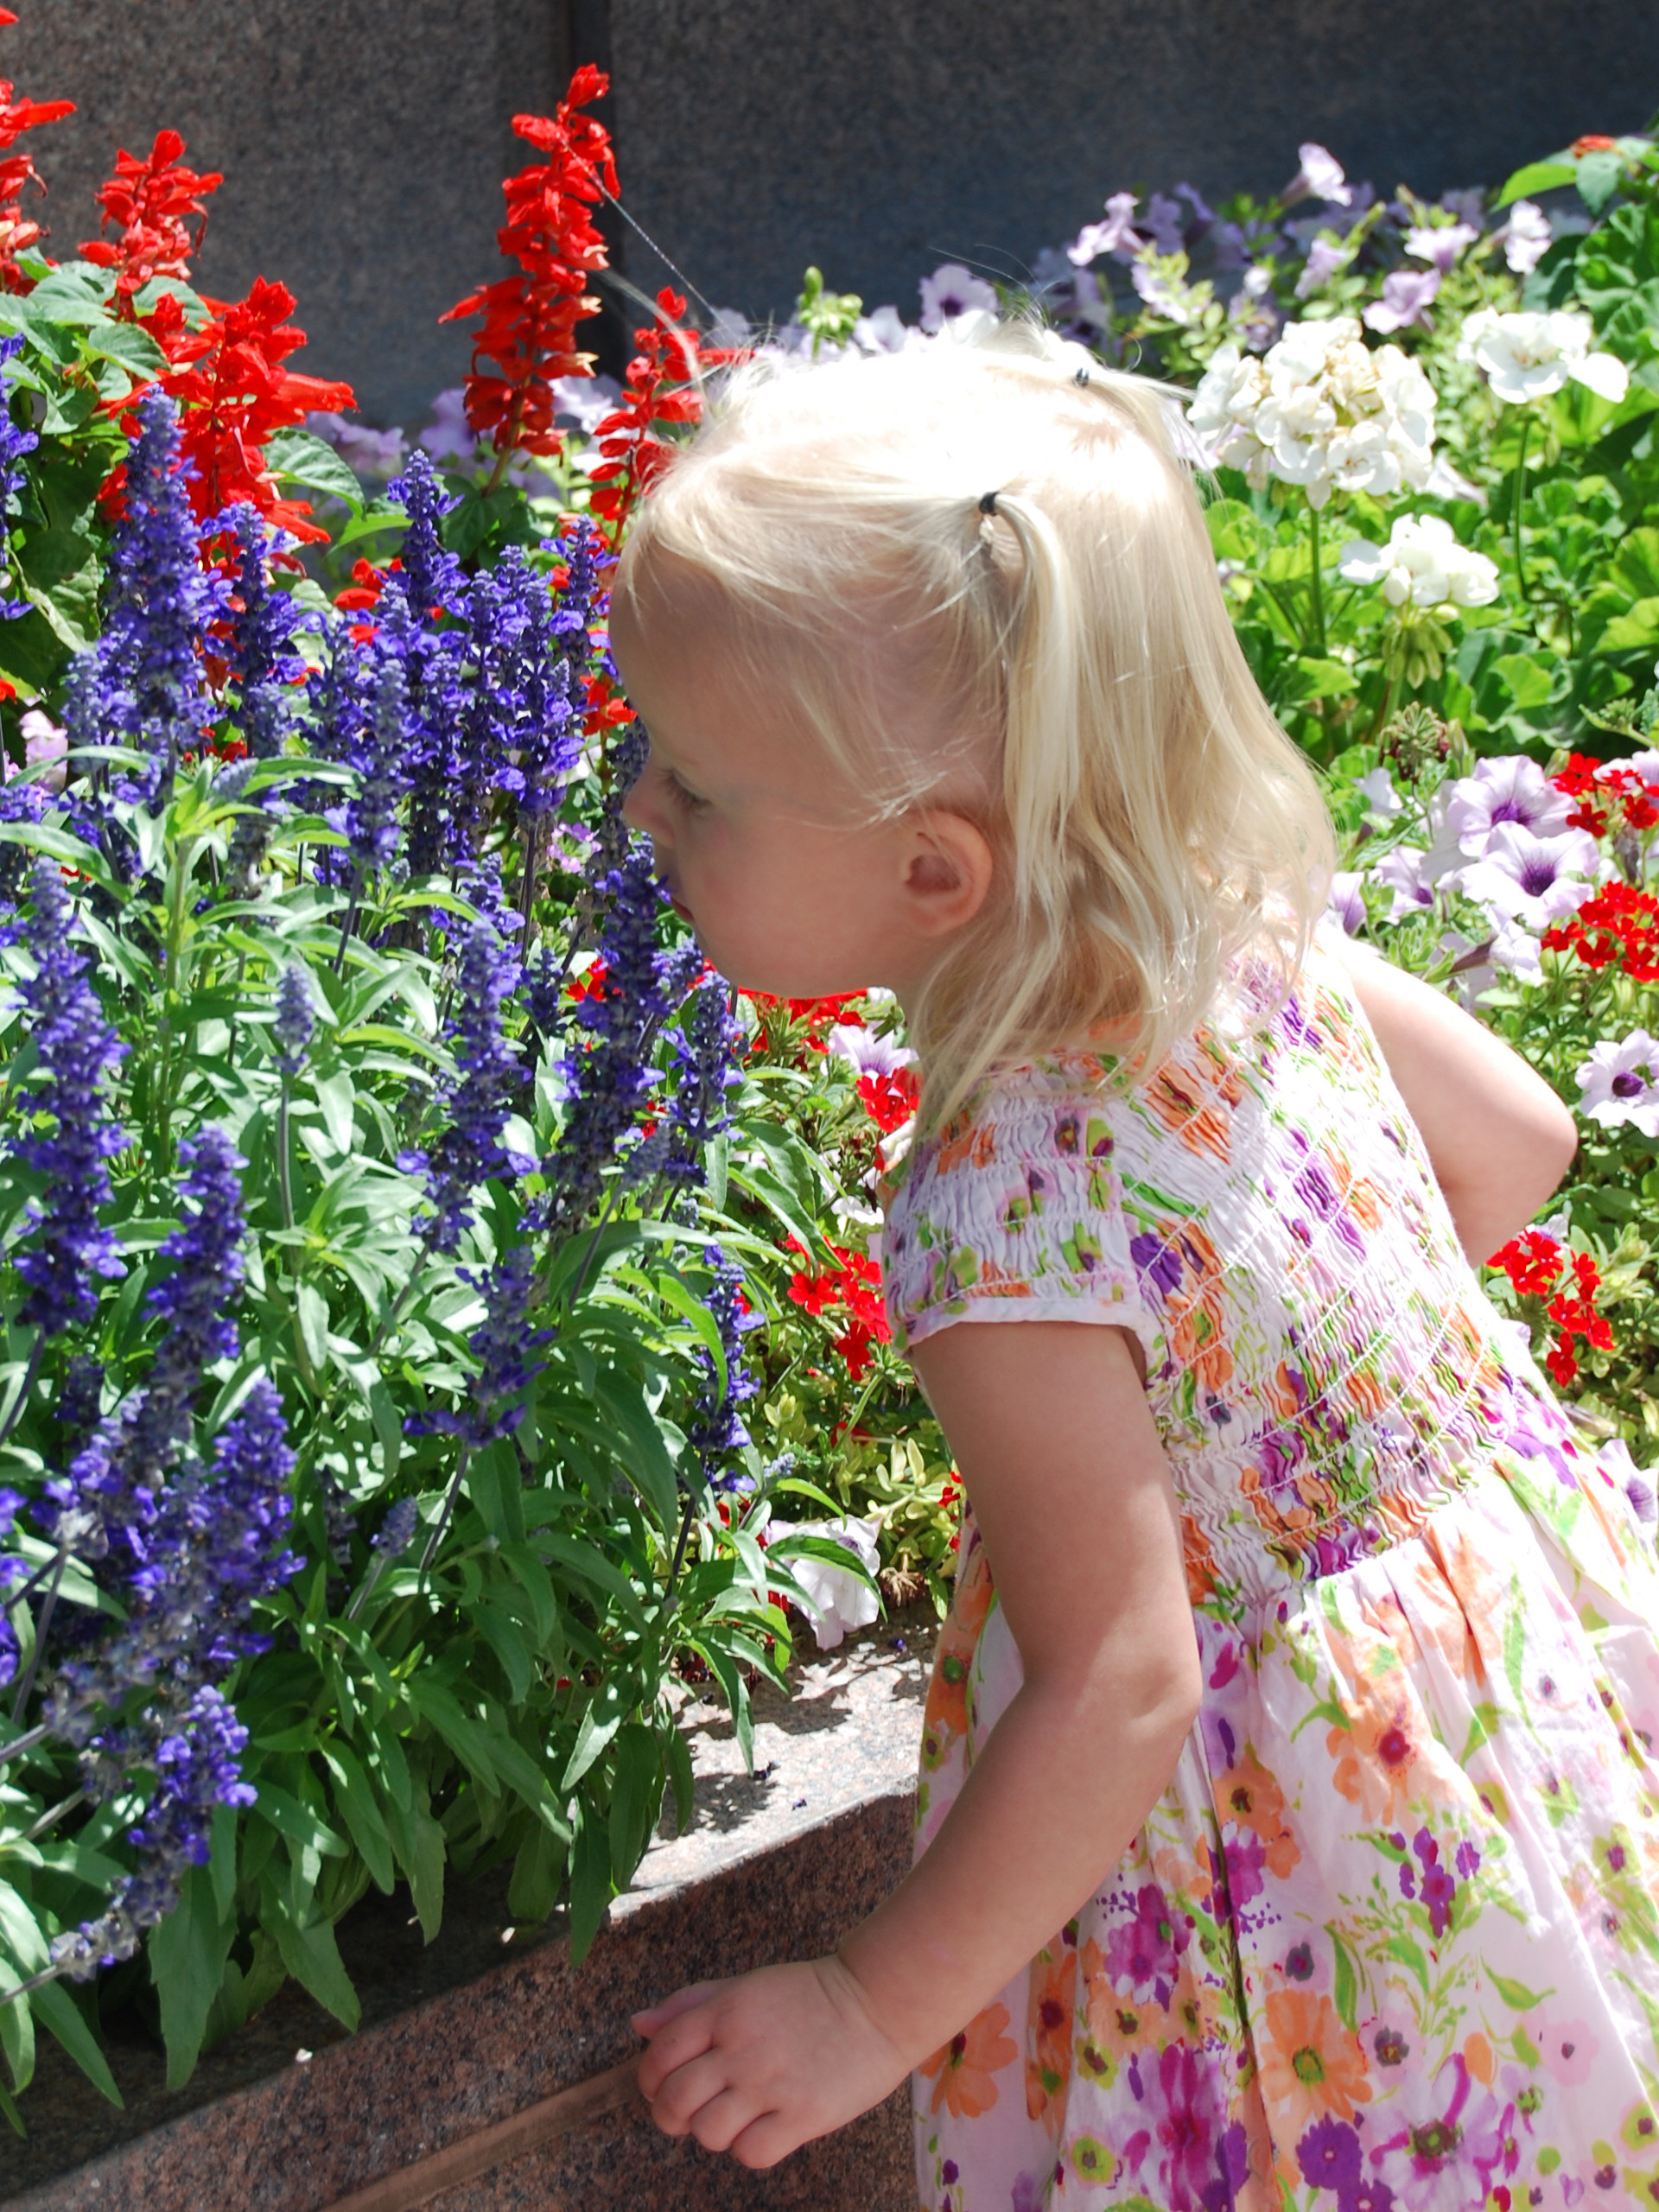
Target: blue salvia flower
{"x": 198, "y": 1764}
{"x": 79, "y": 1053}
{"x": 609, "y": 1076}
{"x": 216, "y": 1544}
{"x": 370, "y": 818}
{"x": 146, "y": 686}
{"x": 19, "y": 802}
{"x": 715, "y": 1429}
{"x": 259, "y": 639}
{"x": 12, "y": 1572}
{"x": 337, "y": 701}
{"x": 109, "y": 1497}
{"x": 14, "y": 444}
{"x": 478, "y": 1098}
{"x": 397, "y": 1529}
{"x": 584, "y": 555}
{"x": 546, "y": 736}
{"x": 705, "y": 1050}
{"x": 433, "y": 576}
{"x": 503, "y": 1345}
{"x": 490, "y": 717}
{"x": 295, "y": 1019}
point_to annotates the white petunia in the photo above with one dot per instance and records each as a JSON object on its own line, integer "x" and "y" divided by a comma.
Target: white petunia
{"x": 952, "y": 291}
{"x": 836, "y": 1598}
{"x": 1527, "y": 357}
{"x": 1508, "y": 789}
{"x": 1526, "y": 878}
{"x": 1620, "y": 1084}
{"x": 1423, "y": 564}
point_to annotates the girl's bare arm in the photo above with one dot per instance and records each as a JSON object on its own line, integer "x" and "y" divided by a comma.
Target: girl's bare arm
{"x": 1499, "y": 1137}
{"x": 1073, "y": 1498}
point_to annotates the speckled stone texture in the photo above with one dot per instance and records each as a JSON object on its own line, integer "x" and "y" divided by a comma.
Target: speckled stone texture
{"x": 469, "y": 2032}
{"x": 364, "y": 141}
{"x": 363, "y": 144}
{"x": 878, "y": 142}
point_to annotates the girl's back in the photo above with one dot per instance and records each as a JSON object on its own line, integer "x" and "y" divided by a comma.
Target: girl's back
{"x": 1372, "y": 1940}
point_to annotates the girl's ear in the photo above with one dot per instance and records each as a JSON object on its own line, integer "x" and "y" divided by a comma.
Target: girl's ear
{"x": 947, "y": 872}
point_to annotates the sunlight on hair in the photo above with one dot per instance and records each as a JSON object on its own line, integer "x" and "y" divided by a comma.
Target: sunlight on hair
{"x": 1057, "y": 663}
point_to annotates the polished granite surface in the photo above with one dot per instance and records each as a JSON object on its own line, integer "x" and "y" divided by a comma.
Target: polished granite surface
{"x": 292, "y": 2113}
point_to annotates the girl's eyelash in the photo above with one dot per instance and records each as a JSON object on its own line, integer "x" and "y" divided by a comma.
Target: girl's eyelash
{"x": 681, "y": 793}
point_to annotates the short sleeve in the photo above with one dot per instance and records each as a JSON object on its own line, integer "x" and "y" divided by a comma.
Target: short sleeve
{"x": 1015, "y": 1213}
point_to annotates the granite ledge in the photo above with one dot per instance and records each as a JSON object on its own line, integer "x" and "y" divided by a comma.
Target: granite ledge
{"x": 293, "y": 2114}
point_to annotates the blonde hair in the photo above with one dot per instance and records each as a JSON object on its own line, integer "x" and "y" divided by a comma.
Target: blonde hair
{"x": 1056, "y": 661}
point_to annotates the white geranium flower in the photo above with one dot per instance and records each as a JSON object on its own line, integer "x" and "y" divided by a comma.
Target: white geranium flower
{"x": 1620, "y": 1084}
{"x": 836, "y": 1599}
{"x": 1526, "y": 236}
{"x": 1320, "y": 410}
{"x": 1422, "y": 563}
{"x": 1527, "y": 357}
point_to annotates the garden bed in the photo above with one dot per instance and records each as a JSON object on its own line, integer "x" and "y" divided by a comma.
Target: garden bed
{"x": 291, "y": 2115}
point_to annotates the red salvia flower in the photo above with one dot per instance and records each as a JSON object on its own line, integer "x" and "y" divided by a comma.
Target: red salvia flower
{"x": 151, "y": 201}
{"x": 661, "y": 390}
{"x": 527, "y": 332}
{"x": 17, "y": 230}
{"x": 233, "y": 393}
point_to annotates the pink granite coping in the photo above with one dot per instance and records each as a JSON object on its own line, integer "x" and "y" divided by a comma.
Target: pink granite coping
{"x": 292, "y": 2113}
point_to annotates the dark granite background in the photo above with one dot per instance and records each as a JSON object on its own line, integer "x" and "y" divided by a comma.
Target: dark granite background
{"x": 364, "y": 141}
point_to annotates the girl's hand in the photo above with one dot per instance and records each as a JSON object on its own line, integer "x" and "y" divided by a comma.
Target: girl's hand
{"x": 761, "y": 2064}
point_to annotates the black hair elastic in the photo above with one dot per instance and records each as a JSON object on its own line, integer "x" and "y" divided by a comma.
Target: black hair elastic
{"x": 987, "y": 502}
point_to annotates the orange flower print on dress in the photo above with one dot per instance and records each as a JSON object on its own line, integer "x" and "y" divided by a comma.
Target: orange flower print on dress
{"x": 964, "y": 2066}
{"x": 1247, "y": 1793}
{"x": 1048, "y": 2035}
{"x": 1312, "y": 2066}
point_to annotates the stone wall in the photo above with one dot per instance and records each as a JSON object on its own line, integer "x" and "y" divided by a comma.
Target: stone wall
{"x": 364, "y": 141}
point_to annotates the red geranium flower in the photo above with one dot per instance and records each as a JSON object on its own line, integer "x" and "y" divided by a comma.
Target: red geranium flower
{"x": 1593, "y": 143}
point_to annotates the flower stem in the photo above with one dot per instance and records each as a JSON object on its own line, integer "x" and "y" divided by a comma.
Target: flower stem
{"x": 56, "y": 1813}
{"x": 284, "y": 1173}
{"x": 20, "y": 1704}
{"x": 1514, "y": 512}
{"x": 346, "y": 925}
{"x": 450, "y": 1496}
{"x": 1316, "y": 582}
{"x": 15, "y": 1749}
{"x": 25, "y": 1386}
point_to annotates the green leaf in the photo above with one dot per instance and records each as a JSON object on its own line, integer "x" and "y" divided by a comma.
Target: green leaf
{"x": 505, "y": 1639}
{"x": 590, "y": 1883}
{"x": 303, "y": 459}
{"x": 1346, "y": 1990}
{"x": 354, "y": 1794}
{"x": 129, "y": 345}
{"x": 469, "y": 1743}
{"x": 1537, "y": 176}
{"x": 1597, "y": 178}
{"x": 74, "y": 294}
{"x": 187, "y": 1953}
{"x": 417, "y": 1840}
{"x": 1516, "y": 1994}
{"x": 311, "y": 1956}
{"x": 1409, "y": 1955}
{"x": 1309, "y": 677}
{"x": 298, "y": 1822}
{"x": 311, "y": 1310}
{"x": 603, "y": 1715}
{"x": 635, "y": 1799}
{"x": 537, "y": 1875}
{"x": 1529, "y": 681}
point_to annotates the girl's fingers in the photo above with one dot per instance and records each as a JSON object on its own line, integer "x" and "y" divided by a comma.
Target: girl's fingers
{"x": 684, "y": 2032}
{"x": 659, "y": 2015}
{"x": 677, "y": 2106}
{"x": 764, "y": 2141}
{"x": 723, "y": 2118}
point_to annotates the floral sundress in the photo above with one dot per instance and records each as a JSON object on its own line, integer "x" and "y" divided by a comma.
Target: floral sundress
{"x": 1390, "y": 1938}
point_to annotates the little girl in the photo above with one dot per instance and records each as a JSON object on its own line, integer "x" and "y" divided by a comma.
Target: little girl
{"x": 1288, "y": 1833}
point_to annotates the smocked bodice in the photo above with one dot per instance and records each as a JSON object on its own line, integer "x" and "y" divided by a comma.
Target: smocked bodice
{"x": 1322, "y": 1365}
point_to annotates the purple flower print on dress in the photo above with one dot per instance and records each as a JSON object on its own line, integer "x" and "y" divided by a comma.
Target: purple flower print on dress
{"x": 1329, "y": 2154}
{"x": 1245, "y": 1854}
{"x": 1146, "y": 1949}
{"x": 1436, "y": 1887}
{"x": 1190, "y": 2106}
{"x": 1158, "y": 1262}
